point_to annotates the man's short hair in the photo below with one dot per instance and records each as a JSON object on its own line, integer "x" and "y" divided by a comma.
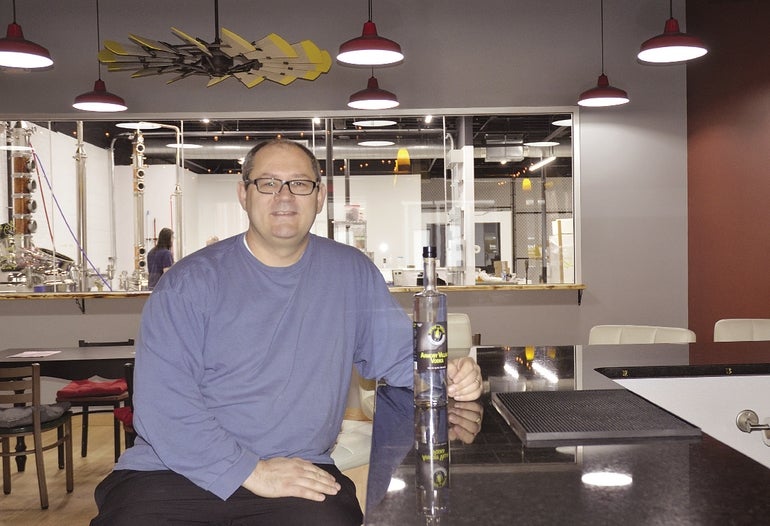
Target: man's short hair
{"x": 248, "y": 161}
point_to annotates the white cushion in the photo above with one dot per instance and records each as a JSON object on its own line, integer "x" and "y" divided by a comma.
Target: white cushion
{"x": 354, "y": 443}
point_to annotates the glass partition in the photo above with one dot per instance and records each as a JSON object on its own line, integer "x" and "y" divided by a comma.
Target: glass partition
{"x": 84, "y": 201}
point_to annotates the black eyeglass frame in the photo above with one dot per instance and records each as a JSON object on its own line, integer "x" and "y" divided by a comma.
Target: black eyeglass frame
{"x": 314, "y": 184}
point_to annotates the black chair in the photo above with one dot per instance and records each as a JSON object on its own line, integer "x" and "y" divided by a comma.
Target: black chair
{"x": 85, "y": 394}
{"x": 20, "y": 388}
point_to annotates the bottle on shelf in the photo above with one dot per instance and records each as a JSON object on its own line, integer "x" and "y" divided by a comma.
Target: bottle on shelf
{"x": 430, "y": 337}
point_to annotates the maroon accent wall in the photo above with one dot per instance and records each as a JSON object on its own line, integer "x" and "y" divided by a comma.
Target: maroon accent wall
{"x": 728, "y": 110}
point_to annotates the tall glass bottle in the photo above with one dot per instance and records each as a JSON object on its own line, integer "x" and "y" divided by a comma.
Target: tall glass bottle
{"x": 430, "y": 337}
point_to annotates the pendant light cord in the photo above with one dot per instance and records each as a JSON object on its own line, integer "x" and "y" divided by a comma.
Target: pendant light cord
{"x": 601, "y": 18}
{"x": 98, "y": 41}
{"x": 671, "y": 8}
{"x": 14, "y": 12}
{"x": 370, "y": 10}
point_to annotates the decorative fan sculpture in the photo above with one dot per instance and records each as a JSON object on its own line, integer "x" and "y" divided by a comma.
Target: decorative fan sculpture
{"x": 271, "y": 58}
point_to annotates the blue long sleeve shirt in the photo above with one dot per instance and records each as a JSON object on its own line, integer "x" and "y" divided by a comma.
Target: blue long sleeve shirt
{"x": 237, "y": 361}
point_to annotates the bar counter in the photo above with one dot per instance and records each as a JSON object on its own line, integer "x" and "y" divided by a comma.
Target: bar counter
{"x": 496, "y": 480}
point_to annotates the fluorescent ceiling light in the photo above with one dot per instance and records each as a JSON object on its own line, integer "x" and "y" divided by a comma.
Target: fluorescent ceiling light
{"x": 12, "y": 148}
{"x": 541, "y": 163}
{"x": 138, "y": 125}
{"x": 183, "y": 146}
{"x": 563, "y": 122}
{"x": 541, "y": 144}
{"x": 374, "y": 123}
{"x": 376, "y": 143}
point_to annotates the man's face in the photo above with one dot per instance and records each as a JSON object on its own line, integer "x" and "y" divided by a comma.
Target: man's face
{"x": 283, "y": 220}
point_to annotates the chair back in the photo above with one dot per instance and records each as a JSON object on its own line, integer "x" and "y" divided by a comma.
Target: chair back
{"x": 20, "y": 386}
{"x": 742, "y": 330}
{"x": 628, "y": 334}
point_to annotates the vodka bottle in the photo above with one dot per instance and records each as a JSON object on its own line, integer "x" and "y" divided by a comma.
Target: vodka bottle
{"x": 430, "y": 337}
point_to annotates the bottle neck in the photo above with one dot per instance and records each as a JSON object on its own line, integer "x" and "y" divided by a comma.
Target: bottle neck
{"x": 429, "y": 274}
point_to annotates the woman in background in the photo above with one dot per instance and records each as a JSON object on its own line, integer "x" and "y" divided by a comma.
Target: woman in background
{"x": 160, "y": 258}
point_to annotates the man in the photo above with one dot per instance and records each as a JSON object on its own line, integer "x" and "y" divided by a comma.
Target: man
{"x": 243, "y": 366}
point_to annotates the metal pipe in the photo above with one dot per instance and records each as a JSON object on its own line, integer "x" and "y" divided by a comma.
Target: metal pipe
{"x": 80, "y": 162}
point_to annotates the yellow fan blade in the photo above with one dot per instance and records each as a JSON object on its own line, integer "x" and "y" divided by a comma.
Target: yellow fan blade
{"x": 106, "y": 56}
{"x": 250, "y": 79}
{"x": 280, "y": 78}
{"x": 191, "y": 40}
{"x": 126, "y": 50}
{"x": 216, "y": 80}
{"x": 152, "y": 44}
{"x": 235, "y": 44}
{"x": 272, "y": 46}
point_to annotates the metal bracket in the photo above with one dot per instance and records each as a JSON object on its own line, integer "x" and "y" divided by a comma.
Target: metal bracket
{"x": 748, "y": 422}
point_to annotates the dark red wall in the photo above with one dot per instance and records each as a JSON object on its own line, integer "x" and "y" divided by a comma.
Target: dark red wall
{"x": 728, "y": 108}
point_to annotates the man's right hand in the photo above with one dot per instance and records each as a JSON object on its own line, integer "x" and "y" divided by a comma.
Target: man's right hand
{"x": 290, "y": 477}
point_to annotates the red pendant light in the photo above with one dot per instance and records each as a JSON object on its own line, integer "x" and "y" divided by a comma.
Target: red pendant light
{"x": 373, "y": 98}
{"x": 99, "y": 99}
{"x": 672, "y": 46}
{"x": 18, "y": 52}
{"x": 370, "y": 49}
{"x": 603, "y": 94}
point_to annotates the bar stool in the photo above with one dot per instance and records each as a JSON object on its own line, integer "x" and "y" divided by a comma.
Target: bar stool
{"x": 108, "y": 394}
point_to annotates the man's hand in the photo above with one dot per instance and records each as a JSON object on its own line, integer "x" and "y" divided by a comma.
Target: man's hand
{"x": 465, "y": 420}
{"x": 290, "y": 477}
{"x": 464, "y": 379}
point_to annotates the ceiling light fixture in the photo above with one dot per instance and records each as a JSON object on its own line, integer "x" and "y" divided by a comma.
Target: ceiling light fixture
{"x": 541, "y": 144}
{"x": 603, "y": 94}
{"x": 376, "y": 143}
{"x": 373, "y": 98}
{"x": 370, "y": 49}
{"x": 672, "y": 46}
{"x": 374, "y": 123}
{"x": 563, "y": 122}
{"x": 141, "y": 125}
{"x": 99, "y": 99}
{"x": 183, "y": 146}
{"x": 541, "y": 163}
{"x": 18, "y": 52}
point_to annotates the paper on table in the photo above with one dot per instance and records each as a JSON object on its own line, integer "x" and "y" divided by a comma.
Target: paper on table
{"x": 33, "y": 354}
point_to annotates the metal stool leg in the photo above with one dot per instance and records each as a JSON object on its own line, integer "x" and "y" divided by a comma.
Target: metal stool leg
{"x": 84, "y": 438}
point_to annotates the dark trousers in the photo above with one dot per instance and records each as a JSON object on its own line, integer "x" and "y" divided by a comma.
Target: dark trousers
{"x": 154, "y": 498}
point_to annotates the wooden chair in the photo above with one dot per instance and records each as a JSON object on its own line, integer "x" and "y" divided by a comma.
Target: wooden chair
{"x": 85, "y": 394}
{"x": 125, "y": 414}
{"x": 742, "y": 330}
{"x": 20, "y": 388}
{"x": 620, "y": 334}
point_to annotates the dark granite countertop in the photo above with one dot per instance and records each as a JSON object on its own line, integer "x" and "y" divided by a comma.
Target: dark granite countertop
{"x": 496, "y": 480}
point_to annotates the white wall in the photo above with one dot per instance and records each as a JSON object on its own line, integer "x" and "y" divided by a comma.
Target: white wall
{"x": 499, "y": 55}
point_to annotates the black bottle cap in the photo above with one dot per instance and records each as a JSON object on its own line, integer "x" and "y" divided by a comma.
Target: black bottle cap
{"x": 429, "y": 252}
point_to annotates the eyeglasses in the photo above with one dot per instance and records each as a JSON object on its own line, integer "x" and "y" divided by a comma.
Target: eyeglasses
{"x": 270, "y": 185}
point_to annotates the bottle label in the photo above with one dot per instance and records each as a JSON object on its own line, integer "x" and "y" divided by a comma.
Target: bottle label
{"x": 430, "y": 346}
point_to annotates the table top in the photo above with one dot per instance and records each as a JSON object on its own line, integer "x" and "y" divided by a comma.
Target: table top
{"x": 72, "y": 363}
{"x": 495, "y": 479}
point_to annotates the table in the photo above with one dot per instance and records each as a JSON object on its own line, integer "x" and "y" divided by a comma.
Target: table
{"x": 495, "y": 479}
{"x": 69, "y": 363}
{"x": 74, "y": 363}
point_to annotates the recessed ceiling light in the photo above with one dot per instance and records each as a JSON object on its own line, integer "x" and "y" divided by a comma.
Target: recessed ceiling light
{"x": 374, "y": 123}
{"x": 541, "y": 144}
{"x": 376, "y": 143}
{"x": 563, "y": 122}
{"x": 138, "y": 125}
{"x": 183, "y": 146}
